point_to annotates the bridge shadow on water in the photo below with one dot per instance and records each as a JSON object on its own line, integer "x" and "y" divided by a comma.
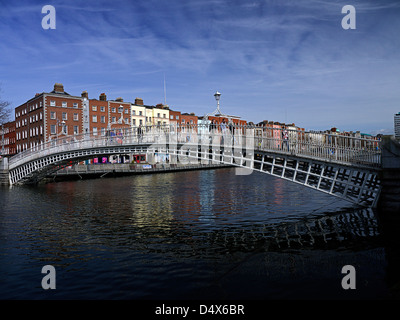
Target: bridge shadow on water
{"x": 304, "y": 259}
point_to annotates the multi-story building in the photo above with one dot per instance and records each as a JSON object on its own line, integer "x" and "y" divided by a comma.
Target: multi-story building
{"x": 119, "y": 116}
{"x": 98, "y": 115}
{"x": 158, "y": 115}
{"x": 47, "y": 116}
{"x": 397, "y": 125}
{"x": 174, "y": 117}
{"x": 7, "y": 136}
{"x": 138, "y": 113}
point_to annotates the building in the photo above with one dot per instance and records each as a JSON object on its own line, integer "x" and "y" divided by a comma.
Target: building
{"x": 219, "y": 118}
{"x": 98, "y": 115}
{"x": 119, "y": 118}
{"x": 397, "y": 125}
{"x": 8, "y": 139}
{"x": 48, "y": 116}
{"x": 138, "y": 113}
{"x": 174, "y": 117}
{"x": 157, "y": 115}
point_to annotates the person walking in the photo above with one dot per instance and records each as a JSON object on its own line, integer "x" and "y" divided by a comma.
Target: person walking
{"x": 285, "y": 139}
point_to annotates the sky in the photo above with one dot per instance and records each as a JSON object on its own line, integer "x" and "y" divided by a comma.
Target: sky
{"x": 276, "y": 60}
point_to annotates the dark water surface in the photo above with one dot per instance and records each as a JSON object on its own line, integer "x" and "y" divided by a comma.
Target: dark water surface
{"x": 206, "y": 234}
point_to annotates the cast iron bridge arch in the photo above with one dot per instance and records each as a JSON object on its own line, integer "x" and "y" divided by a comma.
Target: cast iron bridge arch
{"x": 343, "y": 166}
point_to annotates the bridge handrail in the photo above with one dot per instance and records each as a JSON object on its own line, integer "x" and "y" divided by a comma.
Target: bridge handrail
{"x": 321, "y": 145}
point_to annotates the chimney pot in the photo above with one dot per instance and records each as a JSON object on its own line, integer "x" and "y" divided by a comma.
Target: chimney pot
{"x": 139, "y": 101}
{"x": 58, "y": 87}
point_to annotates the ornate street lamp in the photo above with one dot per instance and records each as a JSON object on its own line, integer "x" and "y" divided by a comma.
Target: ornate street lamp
{"x": 217, "y": 96}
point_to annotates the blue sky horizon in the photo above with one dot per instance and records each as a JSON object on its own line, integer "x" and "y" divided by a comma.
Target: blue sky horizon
{"x": 286, "y": 61}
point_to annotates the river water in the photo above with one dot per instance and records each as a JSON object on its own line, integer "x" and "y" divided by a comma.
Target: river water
{"x": 207, "y": 234}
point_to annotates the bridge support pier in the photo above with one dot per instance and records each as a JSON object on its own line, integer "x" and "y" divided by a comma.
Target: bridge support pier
{"x": 4, "y": 173}
{"x": 389, "y": 200}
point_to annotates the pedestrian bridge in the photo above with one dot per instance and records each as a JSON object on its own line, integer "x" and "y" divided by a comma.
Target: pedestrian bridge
{"x": 343, "y": 166}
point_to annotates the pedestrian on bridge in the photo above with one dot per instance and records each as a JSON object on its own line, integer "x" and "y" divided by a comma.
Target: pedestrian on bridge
{"x": 285, "y": 139}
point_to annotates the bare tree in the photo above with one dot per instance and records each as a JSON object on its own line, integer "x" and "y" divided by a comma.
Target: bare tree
{"x": 5, "y": 111}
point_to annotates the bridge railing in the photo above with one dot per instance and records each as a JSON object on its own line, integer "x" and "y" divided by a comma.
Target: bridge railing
{"x": 320, "y": 145}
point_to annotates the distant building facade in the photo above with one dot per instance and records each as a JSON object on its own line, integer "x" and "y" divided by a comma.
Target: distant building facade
{"x": 397, "y": 125}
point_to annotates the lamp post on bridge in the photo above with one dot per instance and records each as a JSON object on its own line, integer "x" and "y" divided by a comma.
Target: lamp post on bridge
{"x": 217, "y": 96}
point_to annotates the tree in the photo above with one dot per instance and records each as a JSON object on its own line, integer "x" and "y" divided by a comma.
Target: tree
{"x": 4, "y": 111}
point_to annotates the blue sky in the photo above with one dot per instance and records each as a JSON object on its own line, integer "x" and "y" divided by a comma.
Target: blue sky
{"x": 288, "y": 61}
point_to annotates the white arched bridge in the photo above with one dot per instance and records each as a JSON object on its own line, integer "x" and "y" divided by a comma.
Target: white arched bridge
{"x": 343, "y": 166}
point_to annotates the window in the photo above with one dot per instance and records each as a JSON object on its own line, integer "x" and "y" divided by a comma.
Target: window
{"x": 133, "y": 112}
{"x": 64, "y": 104}
{"x": 41, "y": 116}
{"x": 76, "y": 117}
{"x": 76, "y": 129}
{"x": 94, "y": 108}
{"x": 126, "y": 111}
{"x": 103, "y": 109}
{"x": 140, "y": 121}
{"x": 164, "y": 115}
{"x": 171, "y": 117}
{"x": 112, "y": 109}
{"x": 94, "y": 118}
{"x": 140, "y": 113}
{"x": 158, "y": 115}
{"x": 95, "y": 131}
{"x": 64, "y": 116}
{"x": 113, "y": 119}
{"x": 53, "y": 129}
{"x": 103, "y": 131}
{"x": 126, "y": 120}
{"x": 52, "y": 103}
{"x": 75, "y": 105}
{"x": 177, "y": 117}
{"x": 52, "y": 115}
{"x": 103, "y": 119}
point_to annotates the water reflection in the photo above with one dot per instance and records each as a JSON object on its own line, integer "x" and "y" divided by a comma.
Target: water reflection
{"x": 180, "y": 234}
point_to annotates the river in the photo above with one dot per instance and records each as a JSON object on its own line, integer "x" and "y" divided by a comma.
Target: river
{"x": 206, "y": 234}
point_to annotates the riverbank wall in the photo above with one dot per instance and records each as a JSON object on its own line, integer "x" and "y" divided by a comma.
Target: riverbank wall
{"x": 91, "y": 171}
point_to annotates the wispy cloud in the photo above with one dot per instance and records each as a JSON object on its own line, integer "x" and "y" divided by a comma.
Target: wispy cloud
{"x": 280, "y": 57}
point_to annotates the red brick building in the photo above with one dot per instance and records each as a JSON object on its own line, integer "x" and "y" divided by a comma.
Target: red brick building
{"x": 7, "y": 139}
{"x": 174, "y": 117}
{"x": 47, "y": 116}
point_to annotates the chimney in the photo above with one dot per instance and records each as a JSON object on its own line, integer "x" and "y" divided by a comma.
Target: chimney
{"x": 119, "y": 99}
{"x": 85, "y": 94}
{"x": 58, "y": 87}
{"x": 139, "y": 101}
{"x": 160, "y": 106}
{"x": 103, "y": 97}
